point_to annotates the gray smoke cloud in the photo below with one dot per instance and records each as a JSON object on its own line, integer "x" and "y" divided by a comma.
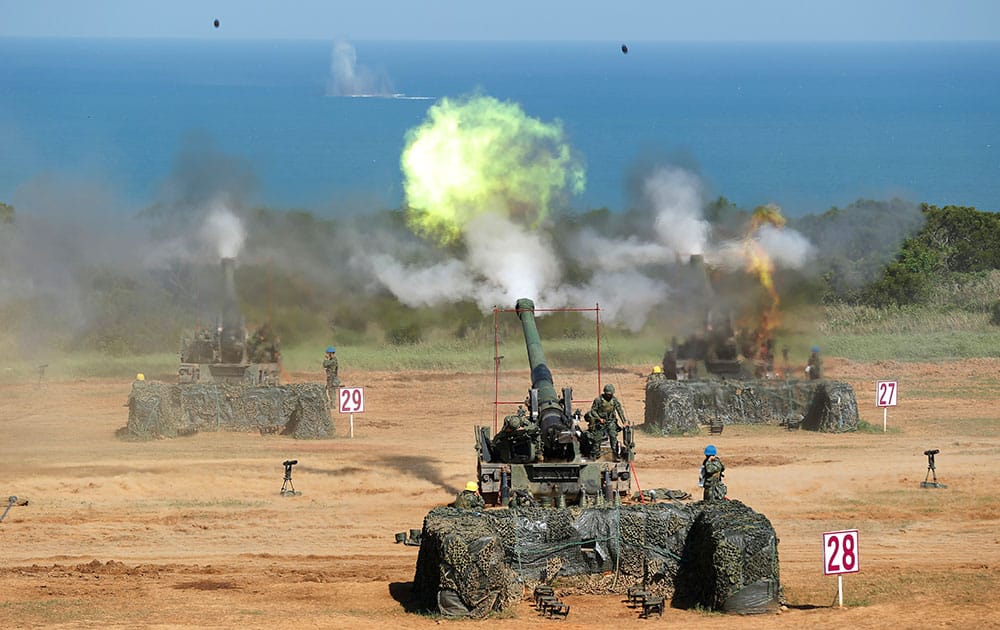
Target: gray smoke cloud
{"x": 348, "y": 78}
{"x": 629, "y": 274}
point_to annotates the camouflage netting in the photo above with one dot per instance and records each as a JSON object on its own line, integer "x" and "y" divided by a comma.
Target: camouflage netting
{"x": 474, "y": 563}
{"x": 730, "y": 561}
{"x": 833, "y": 409}
{"x": 168, "y": 410}
{"x": 679, "y": 407}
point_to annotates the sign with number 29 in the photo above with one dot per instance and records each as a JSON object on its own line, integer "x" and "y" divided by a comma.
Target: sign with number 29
{"x": 840, "y": 552}
{"x": 352, "y": 399}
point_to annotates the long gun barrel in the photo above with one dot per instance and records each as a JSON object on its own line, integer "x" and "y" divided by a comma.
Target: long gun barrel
{"x": 553, "y": 416}
{"x": 232, "y": 335}
{"x": 541, "y": 377}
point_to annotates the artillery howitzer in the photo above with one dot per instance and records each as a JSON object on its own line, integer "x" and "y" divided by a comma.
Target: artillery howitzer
{"x": 541, "y": 454}
{"x": 226, "y": 354}
{"x": 472, "y": 562}
{"x": 229, "y": 381}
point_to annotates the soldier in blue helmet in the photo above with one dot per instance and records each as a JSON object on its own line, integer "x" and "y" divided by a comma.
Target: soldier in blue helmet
{"x": 711, "y": 475}
{"x": 332, "y": 367}
{"x": 815, "y": 366}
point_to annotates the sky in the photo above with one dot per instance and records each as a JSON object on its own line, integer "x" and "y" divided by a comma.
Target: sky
{"x": 510, "y": 20}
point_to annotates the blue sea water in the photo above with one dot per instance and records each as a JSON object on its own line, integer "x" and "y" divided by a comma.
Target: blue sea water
{"x": 805, "y": 125}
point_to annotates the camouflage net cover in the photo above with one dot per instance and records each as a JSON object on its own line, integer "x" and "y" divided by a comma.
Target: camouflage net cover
{"x": 472, "y": 563}
{"x": 679, "y": 407}
{"x": 167, "y": 410}
{"x": 730, "y": 561}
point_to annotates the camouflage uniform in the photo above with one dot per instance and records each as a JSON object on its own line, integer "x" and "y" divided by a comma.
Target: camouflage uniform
{"x": 469, "y": 500}
{"x": 602, "y": 419}
{"x": 332, "y": 380}
{"x": 712, "y": 470}
{"x": 815, "y": 365}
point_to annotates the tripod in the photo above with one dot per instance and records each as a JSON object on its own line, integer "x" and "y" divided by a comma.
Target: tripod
{"x": 288, "y": 488}
{"x": 931, "y": 471}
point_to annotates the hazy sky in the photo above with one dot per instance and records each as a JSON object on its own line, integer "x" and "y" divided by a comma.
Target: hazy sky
{"x": 601, "y": 20}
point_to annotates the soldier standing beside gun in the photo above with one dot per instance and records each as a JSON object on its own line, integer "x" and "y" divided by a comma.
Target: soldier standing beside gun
{"x": 603, "y": 417}
{"x": 711, "y": 476}
{"x": 332, "y": 367}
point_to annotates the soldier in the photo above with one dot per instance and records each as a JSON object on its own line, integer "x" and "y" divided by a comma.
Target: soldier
{"x": 603, "y": 417}
{"x": 469, "y": 498}
{"x": 711, "y": 476}
{"x": 815, "y": 366}
{"x": 670, "y": 364}
{"x": 518, "y": 439}
{"x": 332, "y": 367}
{"x": 656, "y": 375}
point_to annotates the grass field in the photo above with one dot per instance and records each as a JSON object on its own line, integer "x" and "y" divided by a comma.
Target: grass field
{"x": 857, "y": 333}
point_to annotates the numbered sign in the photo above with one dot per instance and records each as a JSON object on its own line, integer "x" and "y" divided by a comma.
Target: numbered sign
{"x": 885, "y": 393}
{"x": 352, "y": 399}
{"x": 840, "y": 552}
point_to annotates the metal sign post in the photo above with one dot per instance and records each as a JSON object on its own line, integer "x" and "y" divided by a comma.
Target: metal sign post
{"x": 885, "y": 397}
{"x": 351, "y": 400}
{"x": 840, "y": 556}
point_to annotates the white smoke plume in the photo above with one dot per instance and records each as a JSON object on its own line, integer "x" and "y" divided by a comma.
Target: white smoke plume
{"x": 504, "y": 261}
{"x": 786, "y": 247}
{"x": 513, "y": 261}
{"x": 223, "y": 230}
{"x": 221, "y": 234}
{"x": 347, "y": 78}
{"x": 416, "y": 285}
{"x": 617, "y": 254}
{"x": 625, "y": 297}
{"x": 676, "y": 197}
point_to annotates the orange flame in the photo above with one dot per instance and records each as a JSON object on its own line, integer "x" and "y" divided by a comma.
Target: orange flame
{"x": 761, "y": 265}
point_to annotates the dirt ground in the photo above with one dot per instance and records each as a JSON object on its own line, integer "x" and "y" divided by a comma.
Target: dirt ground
{"x": 191, "y": 532}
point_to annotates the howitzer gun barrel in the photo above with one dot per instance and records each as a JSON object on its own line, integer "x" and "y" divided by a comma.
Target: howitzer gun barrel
{"x": 541, "y": 376}
{"x": 232, "y": 335}
{"x": 553, "y": 417}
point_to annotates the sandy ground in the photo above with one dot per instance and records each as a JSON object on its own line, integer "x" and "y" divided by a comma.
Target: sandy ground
{"x": 192, "y": 532}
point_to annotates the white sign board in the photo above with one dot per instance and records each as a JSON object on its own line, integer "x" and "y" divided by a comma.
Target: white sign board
{"x": 840, "y": 552}
{"x": 885, "y": 393}
{"x": 352, "y": 399}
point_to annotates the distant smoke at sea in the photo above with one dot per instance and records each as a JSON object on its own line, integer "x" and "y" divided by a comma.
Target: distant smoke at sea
{"x": 348, "y": 78}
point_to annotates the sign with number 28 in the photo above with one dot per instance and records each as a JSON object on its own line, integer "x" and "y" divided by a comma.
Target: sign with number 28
{"x": 840, "y": 552}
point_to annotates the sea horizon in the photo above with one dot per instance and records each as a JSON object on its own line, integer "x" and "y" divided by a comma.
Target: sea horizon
{"x": 806, "y": 125}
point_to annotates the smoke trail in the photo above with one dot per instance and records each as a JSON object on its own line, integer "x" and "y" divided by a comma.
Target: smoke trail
{"x": 347, "y": 78}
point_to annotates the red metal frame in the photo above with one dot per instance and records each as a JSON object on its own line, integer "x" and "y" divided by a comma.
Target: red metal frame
{"x": 496, "y": 351}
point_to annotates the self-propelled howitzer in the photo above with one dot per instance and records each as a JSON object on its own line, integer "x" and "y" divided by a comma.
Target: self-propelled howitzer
{"x": 537, "y": 456}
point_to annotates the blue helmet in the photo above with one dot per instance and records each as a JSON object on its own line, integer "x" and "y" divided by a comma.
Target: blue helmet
{"x": 815, "y": 348}
{"x": 710, "y": 450}
{"x": 331, "y": 349}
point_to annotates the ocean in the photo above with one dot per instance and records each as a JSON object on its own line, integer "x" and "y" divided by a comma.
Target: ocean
{"x": 807, "y": 126}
